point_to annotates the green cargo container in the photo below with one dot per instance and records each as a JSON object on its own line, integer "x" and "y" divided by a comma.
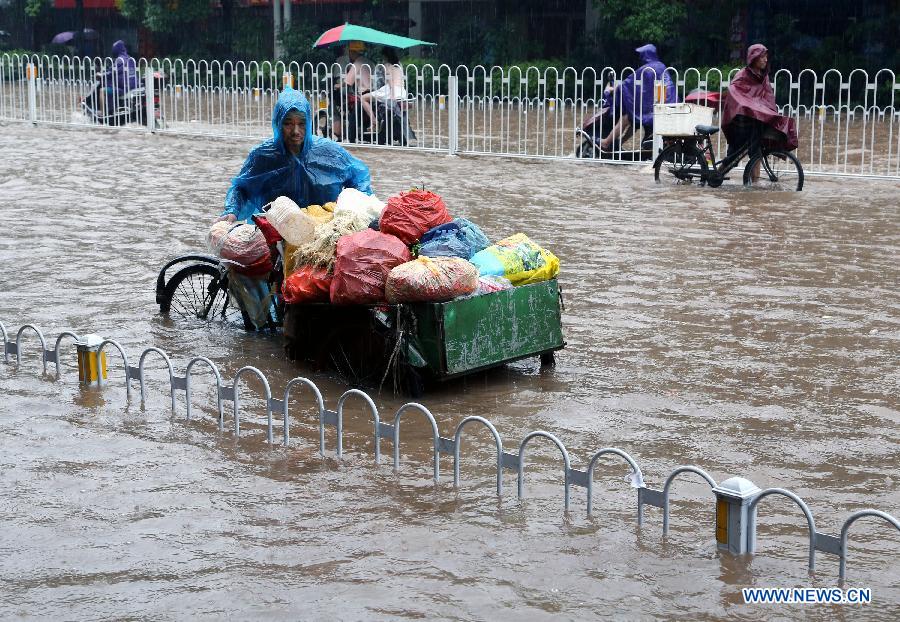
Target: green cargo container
{"x": 469, "y": 334}
{"x": 368, "y": 344}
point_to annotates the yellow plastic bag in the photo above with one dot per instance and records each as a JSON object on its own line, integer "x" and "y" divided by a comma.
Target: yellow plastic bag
{"x": 518, "y": 259}
{"x": 320, "y": 213}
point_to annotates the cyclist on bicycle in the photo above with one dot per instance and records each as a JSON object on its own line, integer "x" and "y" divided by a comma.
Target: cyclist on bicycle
{"x": 750, "y": 112}
{"x": 293, "y": 163}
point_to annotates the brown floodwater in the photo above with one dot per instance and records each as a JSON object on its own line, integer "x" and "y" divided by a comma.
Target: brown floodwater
{"x": 750, "y": 333}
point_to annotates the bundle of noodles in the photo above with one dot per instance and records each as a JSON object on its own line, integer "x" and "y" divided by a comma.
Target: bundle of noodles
{"x": 321, "y": 251}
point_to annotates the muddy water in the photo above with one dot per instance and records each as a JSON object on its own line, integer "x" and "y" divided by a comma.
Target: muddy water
{"x": 752, "y": 334}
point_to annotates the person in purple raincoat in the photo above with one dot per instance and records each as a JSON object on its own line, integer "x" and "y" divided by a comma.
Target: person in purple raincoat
{"x": 121, "y": 77}
{"x": 635, "y": 102}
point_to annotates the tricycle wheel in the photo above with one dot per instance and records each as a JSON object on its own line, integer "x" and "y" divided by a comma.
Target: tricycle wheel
{"x": 198, "y": 293}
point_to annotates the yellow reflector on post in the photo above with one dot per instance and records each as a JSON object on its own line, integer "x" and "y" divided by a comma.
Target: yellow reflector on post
{"x": 91, "y": 362}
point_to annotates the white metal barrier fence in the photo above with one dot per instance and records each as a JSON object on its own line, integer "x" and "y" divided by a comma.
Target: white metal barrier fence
{"x": 848, "y": 124}
{"x": 737, "y": 500}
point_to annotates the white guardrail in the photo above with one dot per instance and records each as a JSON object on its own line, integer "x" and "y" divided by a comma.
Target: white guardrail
{"x": 736, "y": 499}
{"x": 849, "y": 124}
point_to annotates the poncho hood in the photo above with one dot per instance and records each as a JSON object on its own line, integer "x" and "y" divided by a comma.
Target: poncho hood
{"x": 119, "y": 48}
{"x": 288, "y": 100}
{"x": 755, "y": 51}
{"x": 647, "y": 53}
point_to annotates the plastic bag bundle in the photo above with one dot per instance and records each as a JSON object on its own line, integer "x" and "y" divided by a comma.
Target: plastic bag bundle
{"x": 460, "y": 238}
{"x": 518, "y": 259}
{"x": 363, "y": 263}
{"x": 321, "y": 250}
{"x": 237, "y": 244}
{"x": 431, "y": 280}
{"x": 410, "y": 214}
{"x": 294, "y": 225}
{"x": 352, "y": 200}
{"x": 491, "y": 284}
{"x": 307, "y": 284}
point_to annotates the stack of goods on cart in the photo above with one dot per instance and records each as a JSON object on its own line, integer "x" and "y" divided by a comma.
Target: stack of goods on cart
{"x": 362, "y": 251}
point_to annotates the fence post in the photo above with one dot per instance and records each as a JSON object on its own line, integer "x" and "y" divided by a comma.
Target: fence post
{"x": 453, "y": 113}
{"x": 734, "y": 521}
{"x": 31, "y": 75}
{"x": 150, "y": 107}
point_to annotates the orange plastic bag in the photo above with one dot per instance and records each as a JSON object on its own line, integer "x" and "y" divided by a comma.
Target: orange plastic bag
{"x": 307, "y": 284}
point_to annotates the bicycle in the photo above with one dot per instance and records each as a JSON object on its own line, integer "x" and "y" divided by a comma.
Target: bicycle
{"x": 199, "y": 293}
{"x": 689, "y": 158}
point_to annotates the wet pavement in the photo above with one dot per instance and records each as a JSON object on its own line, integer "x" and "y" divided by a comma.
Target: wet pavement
{"x": 750, "y": 333}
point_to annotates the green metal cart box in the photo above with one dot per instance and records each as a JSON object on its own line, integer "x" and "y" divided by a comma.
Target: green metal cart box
{"x": 470, "y": 334}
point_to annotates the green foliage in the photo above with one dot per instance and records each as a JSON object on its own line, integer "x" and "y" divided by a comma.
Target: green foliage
{"x": 713, "y": 78}
{"x": 247, "y": 40}
{"x": 33, "y": 8}
{"x": 297, "y": 45}
{"x": 473, "y": 40}
{"x": 167, "y": 16}
{"x": 643, "y": 20}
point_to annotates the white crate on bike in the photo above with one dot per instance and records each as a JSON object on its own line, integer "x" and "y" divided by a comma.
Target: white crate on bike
{"x": 680, "y": 119}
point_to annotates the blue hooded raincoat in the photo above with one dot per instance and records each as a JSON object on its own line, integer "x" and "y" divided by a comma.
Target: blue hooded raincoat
{"x": 315, "y": 176}
{"x": 123, "y": 75}
{"x": 637, "y": 102}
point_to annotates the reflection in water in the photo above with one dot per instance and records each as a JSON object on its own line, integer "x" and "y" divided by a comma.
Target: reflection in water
{"x": 753, "y": 334}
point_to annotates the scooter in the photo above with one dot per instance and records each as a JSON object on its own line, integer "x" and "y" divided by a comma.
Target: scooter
{"x": 130, "y": 105}
{"x": 391, "y": 117}
{"x": 597, "y": 127}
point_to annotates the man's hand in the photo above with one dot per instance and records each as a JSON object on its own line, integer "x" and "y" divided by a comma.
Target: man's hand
{"x": 227, "y": 217}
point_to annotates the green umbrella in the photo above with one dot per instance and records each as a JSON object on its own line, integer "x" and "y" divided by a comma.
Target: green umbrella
{"x": 341, "y": 35}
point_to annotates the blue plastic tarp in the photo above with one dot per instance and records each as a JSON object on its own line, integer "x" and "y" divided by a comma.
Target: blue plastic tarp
{"x": 315, "y": 176}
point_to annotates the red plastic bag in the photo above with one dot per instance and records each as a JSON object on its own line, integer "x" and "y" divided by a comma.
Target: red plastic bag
{"x": 307, "y": 284}
{"x": 268, "y": 230}
{"x": 363, "y": 262}
{"x": 410, "y": 214}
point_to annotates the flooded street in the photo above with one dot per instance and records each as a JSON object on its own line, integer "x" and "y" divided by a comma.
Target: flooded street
{"x": 752, "y": 334}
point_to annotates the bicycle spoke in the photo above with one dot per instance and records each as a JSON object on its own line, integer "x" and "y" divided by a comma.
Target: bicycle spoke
{"x": 775, "y": 171}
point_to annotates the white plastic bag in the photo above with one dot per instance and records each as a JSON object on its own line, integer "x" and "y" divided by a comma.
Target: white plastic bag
{"x": 352, "y": 200}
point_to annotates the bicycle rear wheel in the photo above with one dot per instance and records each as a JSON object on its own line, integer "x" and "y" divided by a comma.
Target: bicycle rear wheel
{"x": 778, "y": 170}
{"x": 680, "y": 163}
{"x": 197, "y": 295}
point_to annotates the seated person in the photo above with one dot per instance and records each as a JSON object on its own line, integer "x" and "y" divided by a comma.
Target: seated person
{"x": 637, "y": 102}
{"x": 116, "y": 81}
{"x": 352, "y": 75}
{"x": 394, "y": 88}
{"x": 293, "y": 163}
{"x": 750, "y": 112}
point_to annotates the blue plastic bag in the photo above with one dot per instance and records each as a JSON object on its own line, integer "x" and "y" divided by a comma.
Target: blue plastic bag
{"x": 460, "y": 238}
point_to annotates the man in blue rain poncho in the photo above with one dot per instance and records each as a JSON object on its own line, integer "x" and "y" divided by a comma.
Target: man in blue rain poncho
{"x": 293, "y": 163}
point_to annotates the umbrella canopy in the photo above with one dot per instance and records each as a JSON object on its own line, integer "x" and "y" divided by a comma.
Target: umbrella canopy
{"x": 69, "y": 35}
{"x": 341, "y": 35}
